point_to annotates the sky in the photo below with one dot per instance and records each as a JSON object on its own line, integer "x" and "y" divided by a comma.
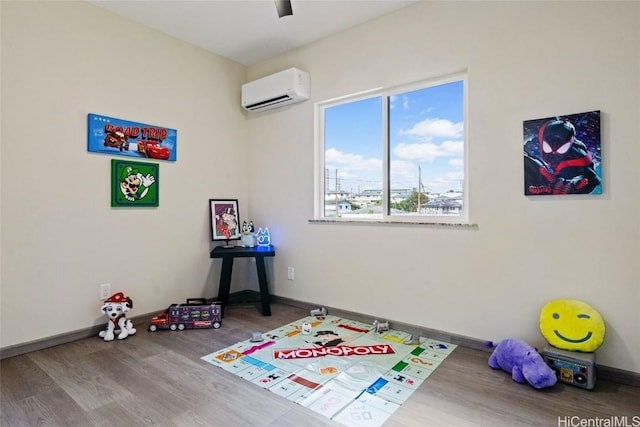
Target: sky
{"x": 426, "y": 129}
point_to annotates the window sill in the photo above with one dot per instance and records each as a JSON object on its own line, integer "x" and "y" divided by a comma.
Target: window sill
{"x": 392, "y": 222}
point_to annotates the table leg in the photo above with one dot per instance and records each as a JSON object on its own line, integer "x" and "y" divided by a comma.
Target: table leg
{"x": 225, "y": 282}
{"x": 264, "y": 289}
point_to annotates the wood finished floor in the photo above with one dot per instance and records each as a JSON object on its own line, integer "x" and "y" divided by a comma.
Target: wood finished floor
{"x": 158, "y": 379}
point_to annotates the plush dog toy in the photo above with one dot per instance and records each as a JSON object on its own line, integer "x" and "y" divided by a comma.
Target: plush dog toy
{"x": 115, "y": 308}
{"x": 523, "y": 362}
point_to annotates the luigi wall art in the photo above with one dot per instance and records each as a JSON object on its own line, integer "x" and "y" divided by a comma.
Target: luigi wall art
{"x": 134, "y": 184}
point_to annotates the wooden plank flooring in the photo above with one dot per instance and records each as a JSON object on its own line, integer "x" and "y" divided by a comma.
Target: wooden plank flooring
{"x": 158, "y": 379}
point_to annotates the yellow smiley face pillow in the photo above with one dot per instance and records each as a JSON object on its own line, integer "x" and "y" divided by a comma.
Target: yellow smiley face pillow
{"x": 572, "y": 325}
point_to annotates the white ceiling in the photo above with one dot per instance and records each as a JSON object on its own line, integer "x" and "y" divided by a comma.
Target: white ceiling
{"x": 249, "y": 31}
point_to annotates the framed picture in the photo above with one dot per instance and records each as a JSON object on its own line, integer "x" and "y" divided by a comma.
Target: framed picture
{"x": 109, "y": 135}
{"x": 134, "y": 184}
{"x": 562, "y": 155}
{"x": 225, "y": 219}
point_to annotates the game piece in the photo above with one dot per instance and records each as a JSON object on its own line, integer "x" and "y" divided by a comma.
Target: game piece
{"x": 381, "y": 326}
{"x": 412, "y": 340}
{"x": 319, "y": 312}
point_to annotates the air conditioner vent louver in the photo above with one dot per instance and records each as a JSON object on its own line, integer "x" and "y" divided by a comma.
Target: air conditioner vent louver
{"x": 277, "y": 90}
{"x": 268, "y": 103}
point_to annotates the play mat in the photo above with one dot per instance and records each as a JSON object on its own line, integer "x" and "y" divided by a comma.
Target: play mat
{"x": 351, "y": 372}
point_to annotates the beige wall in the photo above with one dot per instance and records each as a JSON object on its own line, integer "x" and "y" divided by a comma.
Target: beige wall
{"x": 525, "y": 61}
{"x": 60, "y": 238}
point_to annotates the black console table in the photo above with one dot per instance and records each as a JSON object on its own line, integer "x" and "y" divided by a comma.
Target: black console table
{"x": 228, "y": 255}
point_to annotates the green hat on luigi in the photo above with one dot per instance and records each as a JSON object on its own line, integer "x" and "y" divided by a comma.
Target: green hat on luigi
{"x": 127, "y": 171}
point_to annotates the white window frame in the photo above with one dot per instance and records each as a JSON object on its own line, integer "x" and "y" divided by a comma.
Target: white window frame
{"x": 386, "y": 93}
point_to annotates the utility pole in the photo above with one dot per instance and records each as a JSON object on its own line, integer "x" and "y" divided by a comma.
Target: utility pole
{"x": 337, "y": 214}
{"x": 326, "y": 180}
{"x": 419, "y": 187}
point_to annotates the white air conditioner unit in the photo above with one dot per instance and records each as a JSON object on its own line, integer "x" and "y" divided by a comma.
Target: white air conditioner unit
{"x": 277, "y": 90}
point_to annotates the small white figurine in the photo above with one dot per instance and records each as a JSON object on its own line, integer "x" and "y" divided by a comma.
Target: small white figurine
{"x": 306, "y": 328}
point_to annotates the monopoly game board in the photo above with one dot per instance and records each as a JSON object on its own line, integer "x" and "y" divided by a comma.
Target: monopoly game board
{"x": 343, "y": 369}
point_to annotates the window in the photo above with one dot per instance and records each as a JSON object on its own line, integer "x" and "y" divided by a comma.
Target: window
{"x": 395, "y": 154}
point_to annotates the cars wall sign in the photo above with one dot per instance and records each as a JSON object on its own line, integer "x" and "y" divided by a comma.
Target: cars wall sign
{"x": 109, "y": 135}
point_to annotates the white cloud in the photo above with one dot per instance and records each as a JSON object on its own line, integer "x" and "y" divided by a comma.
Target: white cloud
{"x": 441, "y": 184}
{"x": 403, "y": 170}
{"x": 435, "y": 128}
{"x": 428, "y": 152}
{"x": 404, "y": 174}
{"x": 393, "y": 99}
{"x": 350, "y": 162}
{"x": 457, "y": 162}
{"x": 355, "y": 172}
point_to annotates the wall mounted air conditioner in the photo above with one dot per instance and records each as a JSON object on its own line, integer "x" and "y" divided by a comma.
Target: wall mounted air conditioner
{"x": 277, "y": 90}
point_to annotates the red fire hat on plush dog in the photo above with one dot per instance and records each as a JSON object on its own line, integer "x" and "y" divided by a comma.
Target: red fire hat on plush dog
{"x": 119, "y": 297}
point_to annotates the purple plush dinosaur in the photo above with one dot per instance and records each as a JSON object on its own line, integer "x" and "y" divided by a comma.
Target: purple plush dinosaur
{"x": 523, "y": 362}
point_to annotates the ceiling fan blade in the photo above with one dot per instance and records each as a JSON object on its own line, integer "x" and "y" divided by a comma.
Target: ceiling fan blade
{"x": 284, "y": 8}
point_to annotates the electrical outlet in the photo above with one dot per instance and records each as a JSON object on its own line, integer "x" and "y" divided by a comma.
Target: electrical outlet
{"x": 290, "y": 272}
{"x": 105, "y": 290}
